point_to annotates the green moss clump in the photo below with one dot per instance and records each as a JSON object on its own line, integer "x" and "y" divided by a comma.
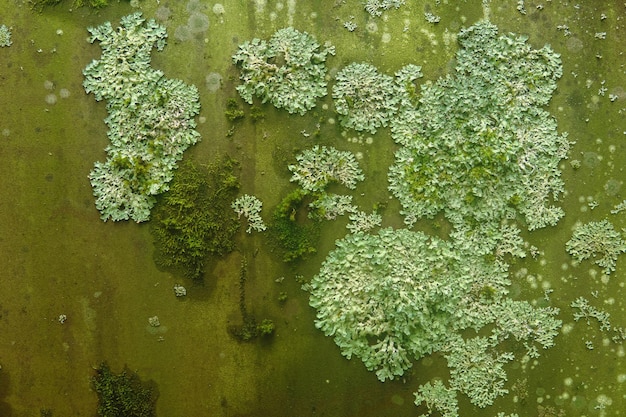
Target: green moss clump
{"x": 295, "y": 238}
{"x": 266, "y": 327}
{"x": 233, "y": 110}
{"x": 123, "y": 394}
{"x": 249, "y": 330}
{"x": 194, "y": 218}
{"x": 96, "y": 4}
{"x": 39, "y": 5}
{"x": 256, "y": 114}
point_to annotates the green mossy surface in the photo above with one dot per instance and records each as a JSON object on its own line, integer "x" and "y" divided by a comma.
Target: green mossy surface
{"x": 59, "y": 258}
{"x": 193, "y": 219}
{"x": 41, "y": 5}
{"x": 123, "y": 394}
{"x": 292, "y": 233}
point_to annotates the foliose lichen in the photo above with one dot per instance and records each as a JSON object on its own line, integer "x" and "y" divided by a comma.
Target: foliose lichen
{"x": 367, "y": 100}
{"x": 477, "y": 145}
{"x": 5, "y": 36}
{"x": 288, "y": 71}
{"x": 319, "y": 166}
{"x": 377, "y": 7}
{"x": 437, "y": 397}
{"x": 250, "y": 207}
{"x": 395, "y": 296}
{"x": 597, "y": 240}
{"x": 150, "y": 118}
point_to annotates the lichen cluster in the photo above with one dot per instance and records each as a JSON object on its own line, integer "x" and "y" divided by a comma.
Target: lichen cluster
{"x": 5, "y": 36}
{"x": 438, "y": 397}
{"x": 150, "y": 118}
{"x": 478, "y": 146}
{"x": 361, "y": 221}
{"x": 250, "y": 207}
{"x": 584, "y": 310}
{"x": 329, "y": 206}
{"x": 377, "y": 7}
{"x": 597, "y": 240}
{"x": 364, "y": 98}
{"x": 319, "y": 166}
{"x": 393, "y": 297}
{"x": 587, "y": 311}
{"x": 288, "y": 71}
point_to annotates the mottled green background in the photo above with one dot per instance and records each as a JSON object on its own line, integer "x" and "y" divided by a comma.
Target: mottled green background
{"x": 58, "y": 257}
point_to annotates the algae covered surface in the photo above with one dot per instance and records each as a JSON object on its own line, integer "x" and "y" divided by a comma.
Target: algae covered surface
{"x": 76, "y": 291}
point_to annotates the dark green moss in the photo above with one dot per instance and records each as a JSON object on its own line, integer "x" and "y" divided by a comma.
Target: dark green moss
{"x": 296, "y": 237}
{"x": 515, "y": 200}
{"x": 487, "y": 292}
{"x": 233, "y": 110}
{"x": 96, "y": 4}
{"x": 123, "y": 395}
{"x": 194, "y": 218}
{"x": 266, "y": 327}
{"x": 256, "y": 113}
{"x": 282, "y": 297}
{"x": 249, "y": 330}
{"x": 39, "y": 5}
{"x": 246, "y": 332}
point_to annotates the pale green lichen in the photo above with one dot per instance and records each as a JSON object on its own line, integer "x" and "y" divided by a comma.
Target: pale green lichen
{"x": 319, "y": 166}
{"x": 289, "y": 70}
{"x": 437, "y": 398}
{"x": 597, "y": 240}
{"x": 364, "y": 98}
{"x": 328, "y": 206}
{"x": 377, "y": 7}
{"x": 361, "y": 221}
{"x": 476, "y": 369}
{"x": 316, "y": 170}
{"x": 478, "y": 146}
{"x": 588, "y": 312}
{"x": 395, "y": 296}
{"x": 250, "y": 207}
{"x": 5, "y": 36}
{"x": 619, "y": 207}
{"x": 150, "y": 118}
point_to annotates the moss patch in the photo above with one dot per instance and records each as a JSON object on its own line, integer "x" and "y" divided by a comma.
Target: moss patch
{"x": 194, "y": 219}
